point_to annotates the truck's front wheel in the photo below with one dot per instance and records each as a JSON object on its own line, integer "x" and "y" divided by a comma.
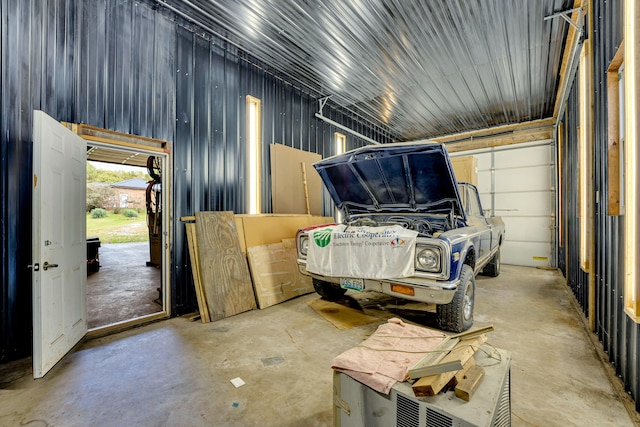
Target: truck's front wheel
{"x": 457, "y": 316}
{"x": 328, "y": 290}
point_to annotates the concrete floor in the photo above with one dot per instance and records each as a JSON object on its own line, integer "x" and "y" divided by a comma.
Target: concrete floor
{"x": 177, "y": 372}
{"x": 125, "y": 287}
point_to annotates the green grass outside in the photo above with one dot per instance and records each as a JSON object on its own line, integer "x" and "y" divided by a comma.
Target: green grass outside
{"x": 117, "y": 228}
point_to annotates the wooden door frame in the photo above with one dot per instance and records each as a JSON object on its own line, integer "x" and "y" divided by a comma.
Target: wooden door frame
{"x": 99, "y": 137}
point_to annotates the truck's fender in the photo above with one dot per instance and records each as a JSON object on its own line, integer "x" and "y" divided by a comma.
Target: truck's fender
{"x": 464, "y": 249}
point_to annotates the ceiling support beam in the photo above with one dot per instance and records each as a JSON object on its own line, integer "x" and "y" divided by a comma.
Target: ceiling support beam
{"x": 344, "y": 128}
{"x": 565, "y": 15}
{"x": 570, "y": 57}
{"x": 321, "y": 103}
{"x": 537, "y": 130}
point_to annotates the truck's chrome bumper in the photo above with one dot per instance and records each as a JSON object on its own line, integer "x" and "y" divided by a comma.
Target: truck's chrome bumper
{"x": 425, "y": 290}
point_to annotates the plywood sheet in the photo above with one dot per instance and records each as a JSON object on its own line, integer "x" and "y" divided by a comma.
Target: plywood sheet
{"x": 223, "y": 266}
{"x": 275, "y": 273}
{"x": 287, "y": 187}
{"x": 192, "y": 242}
{"x": 240, "y": 228}
{"x": 267, "y": 229}
{"x": 465, "y": 169}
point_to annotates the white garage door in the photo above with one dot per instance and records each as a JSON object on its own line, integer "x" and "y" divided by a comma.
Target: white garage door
{"x": 517, "y": 182}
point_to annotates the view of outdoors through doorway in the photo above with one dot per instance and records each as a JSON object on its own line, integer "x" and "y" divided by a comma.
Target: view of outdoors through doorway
{"x": 124, "y": 226}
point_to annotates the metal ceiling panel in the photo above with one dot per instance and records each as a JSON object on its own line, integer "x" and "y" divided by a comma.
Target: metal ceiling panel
{"x": 423, "y": 68}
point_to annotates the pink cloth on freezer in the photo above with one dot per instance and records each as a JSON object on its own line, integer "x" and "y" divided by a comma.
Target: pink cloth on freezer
{"x": 386, "y": 356}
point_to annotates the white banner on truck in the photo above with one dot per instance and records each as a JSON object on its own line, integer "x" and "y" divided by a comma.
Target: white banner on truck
{"x": 362, "y": 252}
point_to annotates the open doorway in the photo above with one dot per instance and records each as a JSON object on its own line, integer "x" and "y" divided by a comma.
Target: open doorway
{"x": 124, "y": 279}
{"x": 126, "y": 282}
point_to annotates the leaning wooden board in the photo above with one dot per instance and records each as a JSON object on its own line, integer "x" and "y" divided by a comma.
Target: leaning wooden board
{"x": 275, "y": 273}
{"x": 192, "y": 242}
{"x": 223, "y": 266}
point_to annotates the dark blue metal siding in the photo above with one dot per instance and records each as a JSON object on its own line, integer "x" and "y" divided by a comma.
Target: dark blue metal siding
{"x": 210, "y": 154}
{"x": 617, "y": 332}
{"x": 133, "y": 67}
{"x": 570, "y": 252}
{"x": 577, "y": 278}
{"x": 124, "y": 68}
{"x": 23, "y": 88}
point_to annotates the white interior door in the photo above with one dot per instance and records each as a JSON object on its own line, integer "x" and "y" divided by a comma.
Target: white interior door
{"x": 59, "y": 242}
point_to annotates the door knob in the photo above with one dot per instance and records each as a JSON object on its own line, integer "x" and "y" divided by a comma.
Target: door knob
{"x": 47, "y": 266}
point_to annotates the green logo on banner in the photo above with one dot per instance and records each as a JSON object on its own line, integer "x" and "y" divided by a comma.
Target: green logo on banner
{"x": 323, "y": 237}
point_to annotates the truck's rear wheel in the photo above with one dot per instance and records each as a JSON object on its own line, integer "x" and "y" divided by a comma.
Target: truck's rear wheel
{"x": 457, "y": 316}
{"x": 492, "y": 269}
{"x": 328, "y": 290}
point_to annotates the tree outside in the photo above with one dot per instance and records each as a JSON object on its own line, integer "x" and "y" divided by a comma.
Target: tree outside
{"x": 99, "y": 192}
{"x": 111, "y": 177}
{"x": 115, "y": 227}
{"x": 100, "y": 196}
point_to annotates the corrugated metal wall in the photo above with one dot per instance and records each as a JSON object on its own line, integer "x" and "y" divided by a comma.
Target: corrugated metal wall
{"x": 569, "y": 254}
{"x": 133, "y": 67}
{"x": 617, "y": 332}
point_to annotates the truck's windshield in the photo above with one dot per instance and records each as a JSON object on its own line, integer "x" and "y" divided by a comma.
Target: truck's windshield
{"x": 470, "y": 201}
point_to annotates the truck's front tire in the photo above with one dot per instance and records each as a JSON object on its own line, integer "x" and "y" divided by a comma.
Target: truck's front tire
{"x": 328, "y": 290}
{"x": 457, "y": 316}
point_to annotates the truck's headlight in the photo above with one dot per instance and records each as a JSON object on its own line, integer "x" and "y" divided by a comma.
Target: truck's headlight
{"x": 304, "y": 245}
{"x": 428, "y": 259}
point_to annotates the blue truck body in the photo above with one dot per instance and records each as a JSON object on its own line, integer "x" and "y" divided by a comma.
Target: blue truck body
{"x": 413, "y": 186}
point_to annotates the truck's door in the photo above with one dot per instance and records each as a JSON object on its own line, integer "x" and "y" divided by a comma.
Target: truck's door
{"x": 476, "y": 219}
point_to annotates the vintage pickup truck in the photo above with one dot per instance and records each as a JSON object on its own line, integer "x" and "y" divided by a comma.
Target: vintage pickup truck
{"x": 408, "y": 230}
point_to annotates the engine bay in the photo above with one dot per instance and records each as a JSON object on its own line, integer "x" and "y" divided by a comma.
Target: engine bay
{"x": 426, "y": 227}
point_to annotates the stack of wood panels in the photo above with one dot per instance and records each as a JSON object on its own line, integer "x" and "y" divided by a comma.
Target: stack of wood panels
{"x": 275, "y": 273}
{"x": 451, "y": 365}
{"x": 219, "y": 245}
{"x": 269, "y": 242}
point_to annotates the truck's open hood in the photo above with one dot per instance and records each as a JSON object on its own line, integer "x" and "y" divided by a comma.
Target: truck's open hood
{"x": 411, "y": 178}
